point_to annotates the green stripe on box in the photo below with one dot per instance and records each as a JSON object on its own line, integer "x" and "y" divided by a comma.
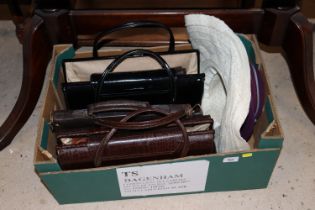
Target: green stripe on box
{"x": 79, "y": 187}
{"x": 47, "y": 167}
{"x": 43, "y": 142}
{"x": 67, "y": 54}
{"x": 270, "y": 143}
{"x": 250, "y": 172}
{"x": 249, "y": 48}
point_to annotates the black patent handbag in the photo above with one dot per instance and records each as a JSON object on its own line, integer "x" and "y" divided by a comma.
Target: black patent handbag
{"x": 165, "y": 86}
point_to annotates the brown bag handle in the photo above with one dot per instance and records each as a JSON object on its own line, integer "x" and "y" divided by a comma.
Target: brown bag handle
{"x": 115, "y": 105}
{"x": 106, "y": 139}
{"x": 170, "y": 117}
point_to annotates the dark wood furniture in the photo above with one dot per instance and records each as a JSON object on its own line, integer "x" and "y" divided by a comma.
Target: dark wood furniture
{"x": 283, "y": 26}
{"x": 308, "y": 8}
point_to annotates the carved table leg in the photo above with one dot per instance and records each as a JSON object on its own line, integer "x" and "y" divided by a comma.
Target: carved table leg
{"x": 17, "y": 18}
{"x": 289, "y": 29}
{"x": 19, "y": 23}
{"x": 36, "y": 54}
{"x": 298, "y": 48}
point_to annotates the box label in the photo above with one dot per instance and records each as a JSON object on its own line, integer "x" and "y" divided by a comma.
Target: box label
{"x": 168, "y": 178}
{"x": 231, "y": 159}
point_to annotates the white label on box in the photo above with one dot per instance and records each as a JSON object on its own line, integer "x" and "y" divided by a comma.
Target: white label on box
{"x": 168, "y": 178}
{"x": 231, "y": 159}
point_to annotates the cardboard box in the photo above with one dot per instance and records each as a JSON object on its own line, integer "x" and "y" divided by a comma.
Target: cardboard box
{"x": 195, "y": 174}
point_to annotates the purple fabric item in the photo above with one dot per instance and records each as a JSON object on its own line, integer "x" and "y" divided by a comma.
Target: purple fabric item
{"x": 261, "y": 95}
{"x": 256, "y": 103}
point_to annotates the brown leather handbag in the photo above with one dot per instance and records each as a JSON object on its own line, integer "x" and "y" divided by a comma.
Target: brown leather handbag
{"x": 170, "y": 135}
{"x": 114, "y": 109}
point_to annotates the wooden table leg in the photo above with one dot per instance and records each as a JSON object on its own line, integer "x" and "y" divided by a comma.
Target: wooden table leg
{"x": 36, "y": 54}
{"x": 298, "y": 49}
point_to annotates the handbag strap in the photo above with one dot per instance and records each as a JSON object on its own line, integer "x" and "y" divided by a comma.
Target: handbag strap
{"x": 115, "y": 105}
{"x": 133, "y": 24}
{"x": 107, "y": 138}
{"x": 170, "y": 117}
{"x": 138, "y": 53}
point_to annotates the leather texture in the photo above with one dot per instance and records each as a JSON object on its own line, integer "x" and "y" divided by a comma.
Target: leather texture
{"x": 156, "y": 87}
{"x": 99, "y": 39}
{"x": 113, "y": 110}
{"x": 134, "y": 147}
{"x": 167, "y": 135}
{"x": 96, "y": 129}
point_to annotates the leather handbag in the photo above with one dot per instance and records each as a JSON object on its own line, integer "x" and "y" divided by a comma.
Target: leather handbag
{"x": 151, "y": 87}
{"x": 67, "y": 135}
{"x": 80, "y": 94}
{"x": 114, "y": 110}
{"x": 171, "y": 135}
{"x": 80, "y": 69}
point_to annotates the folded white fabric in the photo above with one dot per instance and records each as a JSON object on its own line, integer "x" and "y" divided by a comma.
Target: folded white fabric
{"x": 227, "y": 85}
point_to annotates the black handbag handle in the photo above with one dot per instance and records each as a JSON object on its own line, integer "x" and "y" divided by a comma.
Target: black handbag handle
{"x": 133, "y": 54}
{"x": 97, "y": 44}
